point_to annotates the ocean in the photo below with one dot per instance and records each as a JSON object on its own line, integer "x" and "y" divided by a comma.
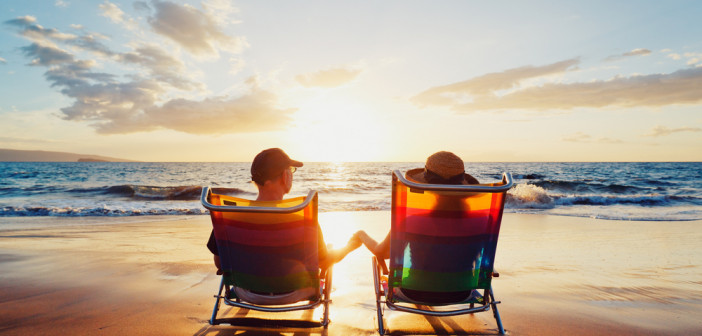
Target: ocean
{"x": 653, "y": 191}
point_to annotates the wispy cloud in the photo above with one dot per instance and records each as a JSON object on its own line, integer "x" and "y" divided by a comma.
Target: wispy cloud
{"x": 663, "y": 131}
{"x": 15, "y": 140}
{"x": 141, "y": 6}
{"x": 578, "y": 137}
{"x": 586, "y": 138}
{"x": 35, "y": 32}
{"x": 48, "y": 37}
{"x": 236, "y": 65}
{"x": 690, "y": 58}
{"x": 61, "y": 3}
{"x": 117, "y": 15}
{"x": 637, "y": 52}
{"x": 194, "y": 30}
{"x": 634, "y": 52}
{"x": 2, "y": 60}
{"x": 329, "y": 78}
{"x": 221, "y": 11}
{"x": 479, "y": 94}
{"x": 456, "y": 93}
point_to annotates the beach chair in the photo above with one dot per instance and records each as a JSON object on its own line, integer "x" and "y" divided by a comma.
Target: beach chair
{"x": 442, "y": 249}
{"x": 268, "y": 254}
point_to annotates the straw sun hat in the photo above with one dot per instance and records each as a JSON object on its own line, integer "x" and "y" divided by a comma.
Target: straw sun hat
{"x": 442, "y": 168}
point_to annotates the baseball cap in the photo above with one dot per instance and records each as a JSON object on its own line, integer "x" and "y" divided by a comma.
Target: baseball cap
{"x": 270, "y": 163}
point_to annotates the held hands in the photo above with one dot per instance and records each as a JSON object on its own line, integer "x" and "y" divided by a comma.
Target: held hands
{"x": 354, "y": 242}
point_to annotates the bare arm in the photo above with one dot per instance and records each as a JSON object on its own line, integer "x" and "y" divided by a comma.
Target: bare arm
{"x": 381, "y": 250}
{"x": 334, "y": 256}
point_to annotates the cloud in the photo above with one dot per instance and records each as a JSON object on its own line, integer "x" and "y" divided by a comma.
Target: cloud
{"x": 161, "y": 66}
{"x": 47, "y": 55}
{"x": 692, "y": 58}
{"x": 637, "y": 52}
{"x": 131, "y": 107}
{"x": 141, "y": 97}
{"x": 577, "y": 137}
{"x": 116, "y": 15}
{"x": 221, "y": 11}
{"x": 634, "y": 52}
{"x": 35, "y": 32}
{"x": 29, "y": 29}
{"x": 453, "y": 94}
{"x": 609, "y": 140}
{"x": 236, "y": 65}
{"x": 114, "y": 107}
{"x": 141, "y": 6}
{"x": 192, "y": 29}
{"x": 60, "y": 3}
{"x": 112, "y": 12}
{"x": 663, "y": 131}
{"x": 328, "y": 78}
{"x": 479, "y": 94}
{"x": 581, "y": 137}
{"x": 3, "y": 61}
{"x": 254, "y": 112}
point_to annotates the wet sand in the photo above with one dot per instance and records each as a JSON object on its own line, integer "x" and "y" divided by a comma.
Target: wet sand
{"x": 153, "y": 276}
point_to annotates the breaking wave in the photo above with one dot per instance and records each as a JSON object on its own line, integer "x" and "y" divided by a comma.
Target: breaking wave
{"x": 96, "y": 211}
{"x": 181, "y": 193}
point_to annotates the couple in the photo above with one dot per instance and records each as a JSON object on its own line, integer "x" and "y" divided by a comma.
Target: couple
{"x": 272, "y": 172}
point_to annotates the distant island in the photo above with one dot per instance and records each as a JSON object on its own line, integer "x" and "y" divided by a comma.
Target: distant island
{"x": 14, "y": 155}
{"x": 91, "y": 160}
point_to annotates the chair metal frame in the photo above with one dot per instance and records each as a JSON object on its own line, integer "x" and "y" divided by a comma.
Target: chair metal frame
{"x": 323, "y": 299}
{"x": 379, "y": 266}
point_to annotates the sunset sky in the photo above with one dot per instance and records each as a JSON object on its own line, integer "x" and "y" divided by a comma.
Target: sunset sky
{"x": 353, "y": 81}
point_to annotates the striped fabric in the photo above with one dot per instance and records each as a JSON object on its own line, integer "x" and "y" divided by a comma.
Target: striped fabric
{"x": 443, "y": 241}
{"x": 267, "y": 252}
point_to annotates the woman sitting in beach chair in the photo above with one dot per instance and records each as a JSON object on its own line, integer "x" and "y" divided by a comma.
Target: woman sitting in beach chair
{"x": 442, "y": 240}
{"x": 271, "y": 251}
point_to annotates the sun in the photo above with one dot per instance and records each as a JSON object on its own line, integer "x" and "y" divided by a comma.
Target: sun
{"x": 337, "y": 130}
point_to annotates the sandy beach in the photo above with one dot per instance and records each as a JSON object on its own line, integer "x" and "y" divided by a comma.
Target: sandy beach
{"x": 153, "y": 276}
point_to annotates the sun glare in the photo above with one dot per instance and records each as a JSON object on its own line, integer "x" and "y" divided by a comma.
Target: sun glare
{"x": 328, "y": 130}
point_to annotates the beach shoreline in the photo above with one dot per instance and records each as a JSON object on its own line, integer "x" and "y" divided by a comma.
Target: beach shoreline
{"x": 153, "y": 275}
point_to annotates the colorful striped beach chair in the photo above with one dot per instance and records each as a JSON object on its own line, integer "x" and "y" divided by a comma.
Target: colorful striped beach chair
{"x": 442, "y": 249}
{"x": 268, "y": 253}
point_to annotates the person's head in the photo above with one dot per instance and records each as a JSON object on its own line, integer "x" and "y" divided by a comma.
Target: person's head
{"x": 442, "y": 168}
{"x": 272, "y": 167}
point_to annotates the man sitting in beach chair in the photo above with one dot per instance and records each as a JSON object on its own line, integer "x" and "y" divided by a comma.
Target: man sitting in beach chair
{"x": 442, "y": 241}
{"x": 270, "y": 251}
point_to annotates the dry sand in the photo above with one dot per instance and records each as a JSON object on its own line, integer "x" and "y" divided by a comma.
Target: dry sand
{"x": 153, "y": 276}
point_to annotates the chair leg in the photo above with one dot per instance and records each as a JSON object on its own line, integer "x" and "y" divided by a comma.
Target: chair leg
{"x": 327, "y": 297}
{"x": 378, "y": 296}
{"x": 496, "y": 313}
{"x": 213, "y": 319}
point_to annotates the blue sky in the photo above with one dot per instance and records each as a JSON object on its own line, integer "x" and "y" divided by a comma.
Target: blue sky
{"x": 356, "y": 81}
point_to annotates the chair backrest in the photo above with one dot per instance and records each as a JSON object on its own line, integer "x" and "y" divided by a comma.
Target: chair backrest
{"x": 444, "y": 237}
{"x": 268, "y": 247}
